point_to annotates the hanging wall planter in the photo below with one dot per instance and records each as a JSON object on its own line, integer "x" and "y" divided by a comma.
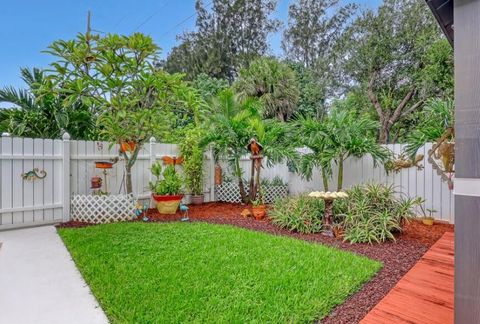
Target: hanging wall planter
{"x": 127, "y": 146}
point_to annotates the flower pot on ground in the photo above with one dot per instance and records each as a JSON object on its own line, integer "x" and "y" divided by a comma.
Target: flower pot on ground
{"x": 259, "y": 210}
{"x": 167, "y": 204}
{"x": 428, "y": 221}
{"x": 166, "y": 191}
{"x": 197, "y": 199}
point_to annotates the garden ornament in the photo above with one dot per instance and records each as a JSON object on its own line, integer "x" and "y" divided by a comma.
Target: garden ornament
{"x": 184, "y": 210}
{"x": 328, "y": 197}
{"x": 34, "y": 175}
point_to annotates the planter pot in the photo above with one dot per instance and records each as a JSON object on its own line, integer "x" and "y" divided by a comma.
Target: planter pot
{"x": 259, "y": 212}
{"x": 127, "y": 146}
{"x": 167, "y": 204}
{"x": 427, "y": 221}
{"x": 338, "y": 231}
{"x": 198, "y": 199}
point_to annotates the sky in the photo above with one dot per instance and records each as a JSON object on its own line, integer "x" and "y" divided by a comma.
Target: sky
{"x": 27, "y": 27}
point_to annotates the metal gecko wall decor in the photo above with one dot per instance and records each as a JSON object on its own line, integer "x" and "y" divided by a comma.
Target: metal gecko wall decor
{"x": 34, "y": 174}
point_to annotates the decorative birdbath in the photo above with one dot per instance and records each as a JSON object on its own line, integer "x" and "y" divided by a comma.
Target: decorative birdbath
{"x": 328, "y": 197}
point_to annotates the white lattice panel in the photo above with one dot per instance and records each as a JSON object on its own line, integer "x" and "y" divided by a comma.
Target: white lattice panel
{"x": 102, "y": 209}
{"x": 229, "y": 192}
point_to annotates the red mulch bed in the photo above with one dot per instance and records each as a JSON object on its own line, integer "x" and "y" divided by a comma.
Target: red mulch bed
{"x": 397, "y": 257}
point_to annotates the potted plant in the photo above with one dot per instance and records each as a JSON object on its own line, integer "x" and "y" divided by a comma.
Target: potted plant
{"x": 259, "y": 210}
{"x": 192, "y": 152}
{"x": 166, "y": 191}
{"x": 428, "y": 220}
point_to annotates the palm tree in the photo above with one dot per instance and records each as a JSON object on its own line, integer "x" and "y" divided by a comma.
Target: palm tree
{"x": 341, "y": 135}
{"x": 234, "y": 121}
{"x": 42, "y": 115}
{"x": 274, "y": 83}
{"x": 230, "y": 129}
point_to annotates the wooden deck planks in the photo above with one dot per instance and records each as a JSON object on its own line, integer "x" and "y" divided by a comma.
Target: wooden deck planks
{"x": 425, "y": 293}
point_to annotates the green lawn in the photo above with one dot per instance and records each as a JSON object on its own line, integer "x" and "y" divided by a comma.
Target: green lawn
{"x": 198, "y": 272}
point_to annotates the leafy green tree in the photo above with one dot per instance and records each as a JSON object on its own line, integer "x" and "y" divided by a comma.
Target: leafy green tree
{"x": 386, "y": 58}
{"x": 314, "y": 27}
{"x": 32, "y": 115}
{"x": 209, "y": 87}
{"x": 117, "y": 76}
{"x": 226, "y": 38}
{"x": 312, "y": 92}
{"x": 274, "y": 83}
{"x": 341, "y": 135}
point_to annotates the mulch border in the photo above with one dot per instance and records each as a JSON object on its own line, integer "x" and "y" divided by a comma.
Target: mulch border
{"x": 397, "y": 257}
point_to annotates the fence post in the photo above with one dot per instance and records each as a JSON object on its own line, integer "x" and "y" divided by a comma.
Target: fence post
{"x": 211, "y": 160}
{"x": 66, "y": 177}
{"x": 153, "y": 159}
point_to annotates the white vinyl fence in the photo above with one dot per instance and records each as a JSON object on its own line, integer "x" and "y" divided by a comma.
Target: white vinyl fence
{"x": 69, "y": 166}
{"x": 37, "y": 201}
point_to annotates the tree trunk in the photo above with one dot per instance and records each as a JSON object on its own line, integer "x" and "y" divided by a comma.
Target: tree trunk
{"x": 256, "y": 188}
{"x": 340, "y": 175}
{"x": 384, "y": 134}
{"x": 129, "y": 162}
{"x": 252, "y": 179}
{"x": 238, "y": 173}
{"x": 324, "y": 179}
{"x": 128, "y": 178}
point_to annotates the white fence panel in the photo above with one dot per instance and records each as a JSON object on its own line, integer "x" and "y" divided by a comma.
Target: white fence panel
{"x": 30, "y": 201}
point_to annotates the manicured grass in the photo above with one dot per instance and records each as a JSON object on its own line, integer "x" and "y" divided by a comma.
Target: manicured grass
{"x": 198, "y": 272}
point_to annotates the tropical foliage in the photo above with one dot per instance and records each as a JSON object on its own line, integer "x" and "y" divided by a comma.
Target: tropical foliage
{"x": 274, "y": 83}
{"x": 373, "y": 213}
{"x": 302, "y": 214}
{"x": 341, "y": 135}
{"x": 43, "y": 115}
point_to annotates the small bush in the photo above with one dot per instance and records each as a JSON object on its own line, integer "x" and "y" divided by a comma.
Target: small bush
{"x": 302, "y": 214}
{"x": 373, "y": 213}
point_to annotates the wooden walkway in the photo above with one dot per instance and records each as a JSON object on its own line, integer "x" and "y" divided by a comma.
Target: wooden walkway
{"x": 425, "y": 293}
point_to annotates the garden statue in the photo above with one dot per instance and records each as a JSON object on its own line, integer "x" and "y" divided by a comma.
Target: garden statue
{"x": 184, "y": 210}
{"x": 328, "y": 197}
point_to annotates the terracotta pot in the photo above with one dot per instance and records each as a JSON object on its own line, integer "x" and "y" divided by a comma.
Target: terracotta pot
{"x": 167, "y": 204}
{"x": 127, "y": 146}
{"x": 259, "y": 211}
{"x": 427, "y": 221}
{"x": 198, "y": 199}
{"x": 338, "y": 231}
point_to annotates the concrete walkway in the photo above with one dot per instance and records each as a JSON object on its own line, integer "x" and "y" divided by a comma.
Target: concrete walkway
{"x": 39, "y": 282}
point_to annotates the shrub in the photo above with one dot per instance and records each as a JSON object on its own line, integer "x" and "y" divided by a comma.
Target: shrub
{"x": 302, "y": 214}
{"x": 373, "y": 213}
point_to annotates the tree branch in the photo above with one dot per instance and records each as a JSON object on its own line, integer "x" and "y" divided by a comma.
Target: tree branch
{"x": 398, "y": 111}
{"x": 373, "y": 98}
